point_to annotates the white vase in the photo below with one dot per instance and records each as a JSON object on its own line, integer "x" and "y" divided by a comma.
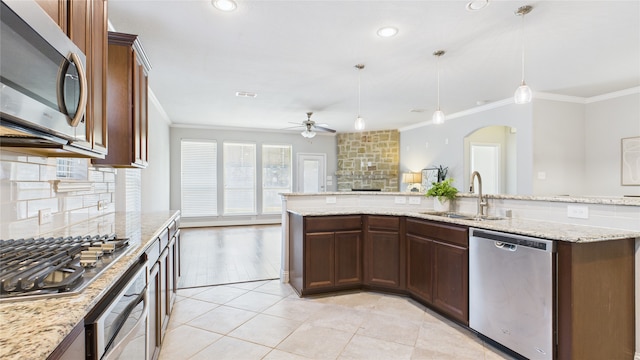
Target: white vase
{"x": 442, "y": 206}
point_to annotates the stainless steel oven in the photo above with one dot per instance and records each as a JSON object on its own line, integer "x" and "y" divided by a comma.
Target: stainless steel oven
{"x": 117, "y": 327}
{"x": 43, "y": 85}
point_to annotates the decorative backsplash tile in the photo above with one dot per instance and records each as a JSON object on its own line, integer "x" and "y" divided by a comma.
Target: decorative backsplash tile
{"x": 27, "y": 185}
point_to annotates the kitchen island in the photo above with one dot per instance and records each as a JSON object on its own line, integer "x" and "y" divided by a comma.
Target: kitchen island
{"x": 399, "y": 232}
{"x": 33, "y": 329}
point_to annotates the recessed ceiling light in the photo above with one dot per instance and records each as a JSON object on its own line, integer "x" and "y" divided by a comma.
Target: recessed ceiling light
{"x": 476, "y": 5}
{"x": 224, "y": 5}
{"x": 387, "y": 31}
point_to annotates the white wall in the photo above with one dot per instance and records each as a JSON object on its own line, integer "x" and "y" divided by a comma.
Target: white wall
{"x": 607, "y": 122}
{"x": 434, "y": 145}
{"x": 325, "y": 144}
{"x": 156, "y": 177}
{"x": 558, "y": 147}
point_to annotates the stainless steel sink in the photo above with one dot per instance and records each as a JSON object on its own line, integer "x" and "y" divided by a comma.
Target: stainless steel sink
{"x": 453, "y": 215}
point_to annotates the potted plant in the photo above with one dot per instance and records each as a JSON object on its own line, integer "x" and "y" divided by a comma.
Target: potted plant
{"x": 442, "y": 192}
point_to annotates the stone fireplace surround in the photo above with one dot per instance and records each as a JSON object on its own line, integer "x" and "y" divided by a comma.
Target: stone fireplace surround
{"x": 368, "y": 160}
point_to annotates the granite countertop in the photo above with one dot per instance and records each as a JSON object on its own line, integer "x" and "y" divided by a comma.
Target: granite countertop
{"x": 32, "y": 329}
{"x": 535, "y": 228}
{"x": 620, "y": 200}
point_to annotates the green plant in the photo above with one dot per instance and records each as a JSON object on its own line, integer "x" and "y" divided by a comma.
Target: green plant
{"x": 443, "y": 190}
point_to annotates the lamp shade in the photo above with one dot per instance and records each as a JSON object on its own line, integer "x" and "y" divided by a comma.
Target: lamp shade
{"x": 411, "y": 178}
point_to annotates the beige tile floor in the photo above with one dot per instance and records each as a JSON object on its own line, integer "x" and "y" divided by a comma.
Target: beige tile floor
{"x": 267, "y": 320}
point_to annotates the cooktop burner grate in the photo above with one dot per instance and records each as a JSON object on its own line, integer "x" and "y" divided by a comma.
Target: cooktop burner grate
{"x": 49, "y": 266}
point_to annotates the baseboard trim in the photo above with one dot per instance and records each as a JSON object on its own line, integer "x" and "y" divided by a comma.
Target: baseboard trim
{"x": 284, "y": 276}
{"x": 193, "y": 224}
{"x": 637, "y": 357}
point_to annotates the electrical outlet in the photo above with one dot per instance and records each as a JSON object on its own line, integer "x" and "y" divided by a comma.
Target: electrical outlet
{"x": 415, "y": 200}
{"x": 400, "y": 200}
{"x": 578, "y": 211}
{"x": 44, "y": 216}
{"x": 330, "y": 199}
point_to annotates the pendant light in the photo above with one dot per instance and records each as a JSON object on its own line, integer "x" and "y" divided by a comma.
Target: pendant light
{"x": 359, "y": 124}
{"x": 523, "y": 94}
{"x": 438, "y": 116}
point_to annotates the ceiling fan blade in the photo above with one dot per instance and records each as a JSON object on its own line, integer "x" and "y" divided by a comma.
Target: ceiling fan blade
{"x": 297, "y": 123}
{"x": 324, "y": 129}
{"x": 292, "y": 127}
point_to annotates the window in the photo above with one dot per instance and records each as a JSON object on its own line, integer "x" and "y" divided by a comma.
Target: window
{"x": 239, "y": 178}
{"x": 276, "y": 176}
{"x": 199, "y": 178}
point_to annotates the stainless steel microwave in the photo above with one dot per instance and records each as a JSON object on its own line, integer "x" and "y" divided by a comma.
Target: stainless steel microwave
{"x": 43, "y": 92}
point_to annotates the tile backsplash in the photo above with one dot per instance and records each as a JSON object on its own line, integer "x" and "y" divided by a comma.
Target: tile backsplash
{"x": 29, "y": 185}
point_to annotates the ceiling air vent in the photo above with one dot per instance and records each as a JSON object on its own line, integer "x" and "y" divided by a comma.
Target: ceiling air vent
{"x": 246, "y": 94}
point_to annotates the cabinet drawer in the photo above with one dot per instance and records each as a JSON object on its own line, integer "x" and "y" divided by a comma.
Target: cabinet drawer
{"x": 172, "y": 229}
{"x": 164, "y": 239}
{"x": 153, "y": 252}
{"x": 446, "y": 233}
{"x": 384, "y": 223}
{"x": 332, "y": 223}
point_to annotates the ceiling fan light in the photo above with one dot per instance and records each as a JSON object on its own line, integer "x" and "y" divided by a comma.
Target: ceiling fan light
{"x": 359, "y": 124}
{"x": 438, "y": 117}
{"x": 224, "y": 5}
{"x": 308, "y": 134}
{"x": 523, "y": 94}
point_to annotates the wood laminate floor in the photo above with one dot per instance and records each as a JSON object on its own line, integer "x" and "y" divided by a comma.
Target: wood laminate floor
{"x": 224, "y": 255}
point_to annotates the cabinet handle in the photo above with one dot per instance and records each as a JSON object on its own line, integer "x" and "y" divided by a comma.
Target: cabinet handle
{"x": 83, "y": 90}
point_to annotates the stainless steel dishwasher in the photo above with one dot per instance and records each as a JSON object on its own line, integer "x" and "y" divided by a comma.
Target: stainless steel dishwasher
{"x": 511, "y": 291}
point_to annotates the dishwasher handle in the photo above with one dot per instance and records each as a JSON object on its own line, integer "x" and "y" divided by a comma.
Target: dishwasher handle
{"x": 504, "y": 246}
{"x": 513, "y": 240}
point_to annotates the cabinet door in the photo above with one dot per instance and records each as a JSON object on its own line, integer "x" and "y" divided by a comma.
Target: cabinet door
{"x": 164, "y": 308}
{"x": 420, "y": 267}
{"x": 155, "y": 325}
{"x": 171, "y": 275}
{"x": 383, "y": 259}
{"x": 348, "y": 257}
{"x": 97, "y": 73}
{"x": 384, "y": 252}
{"x": 451, "y": 280}
{"x": 319, "y": 260}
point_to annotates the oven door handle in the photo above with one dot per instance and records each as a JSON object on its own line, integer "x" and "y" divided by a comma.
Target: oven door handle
{"x": 117, "y": 349}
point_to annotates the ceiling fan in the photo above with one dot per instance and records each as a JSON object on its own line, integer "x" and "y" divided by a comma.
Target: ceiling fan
{"x": 310, "y": 125}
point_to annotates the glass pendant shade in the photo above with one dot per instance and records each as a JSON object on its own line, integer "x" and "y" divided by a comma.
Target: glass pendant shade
{"x": 359, "y": 124}
{"x": 438, "y": 117}
{"x": 523, "y": 94}
{"x": 308, "y": 134}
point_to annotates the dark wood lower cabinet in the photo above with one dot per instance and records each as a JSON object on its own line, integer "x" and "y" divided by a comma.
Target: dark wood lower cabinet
{"x": 326, "y": 253}
{"x": 384, "y": 253}
{"x": 596, "y": 300}
{"x": 428, "y": 260}
{"x": 438, "y": 266}
{"x": 451, "y": 280}
{"x": 420, "y": 267}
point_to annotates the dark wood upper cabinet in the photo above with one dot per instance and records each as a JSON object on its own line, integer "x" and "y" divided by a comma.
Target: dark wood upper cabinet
{"x": 127, "y": 82}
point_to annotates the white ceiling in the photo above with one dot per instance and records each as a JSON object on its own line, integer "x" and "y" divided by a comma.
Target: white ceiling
{"x": 299, "y": 56}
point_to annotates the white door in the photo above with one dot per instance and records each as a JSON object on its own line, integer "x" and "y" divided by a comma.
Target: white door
{"x": 485, "y": 159}
{"x": 311, "y": 173}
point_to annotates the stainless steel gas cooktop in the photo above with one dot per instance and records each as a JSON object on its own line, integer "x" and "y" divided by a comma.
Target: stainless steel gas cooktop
{"x": 47, "y": 267}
